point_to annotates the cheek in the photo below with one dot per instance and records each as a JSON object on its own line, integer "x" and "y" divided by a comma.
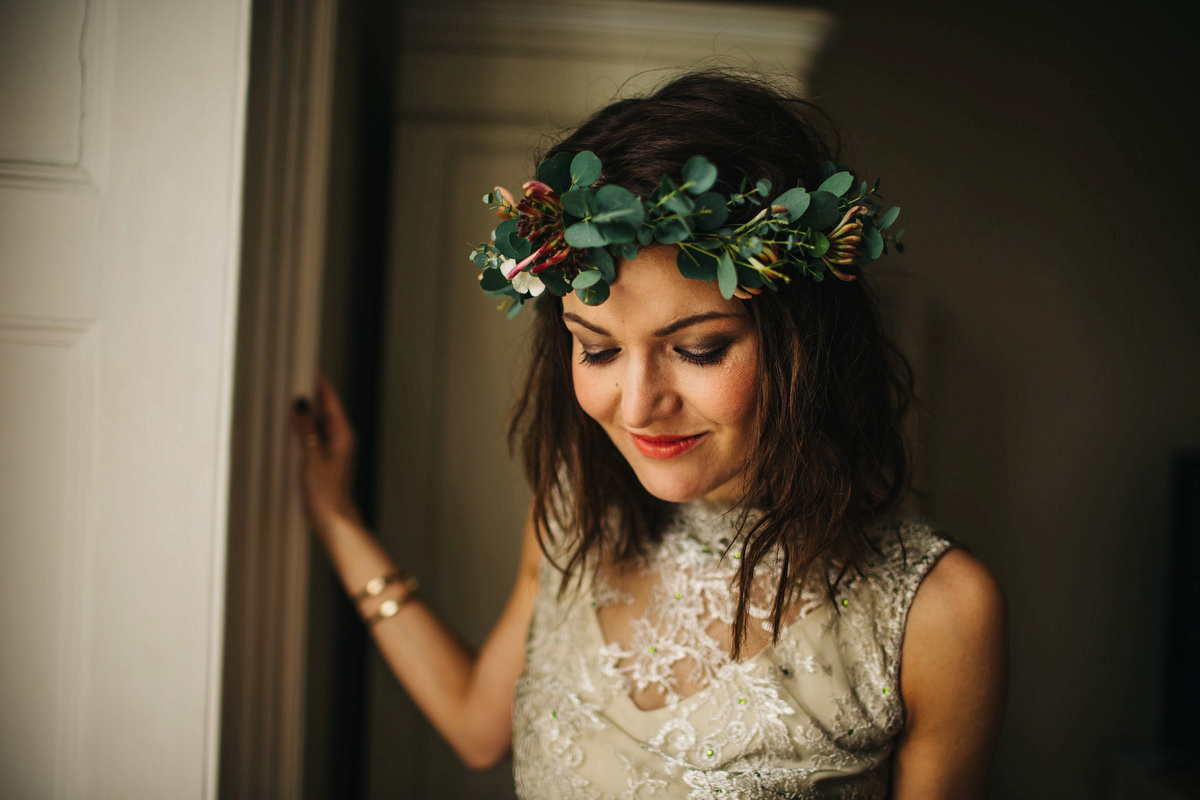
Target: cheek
{"x": 733, "y": 397}
{"x": 592, "y": 392}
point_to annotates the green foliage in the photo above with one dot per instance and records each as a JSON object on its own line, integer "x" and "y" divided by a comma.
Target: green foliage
{"x": 556, "y": 172}
{"x": 585, "y": 169}
{"x": 837, "y": 184}
{"x": 796, "y": 201}
{"x": 587, "y": 231}
{"x": 696, "y": 263}
{"x": 699, "y": 175}
{"x": 726, "y": 276}
{"x": 493, "y": 280}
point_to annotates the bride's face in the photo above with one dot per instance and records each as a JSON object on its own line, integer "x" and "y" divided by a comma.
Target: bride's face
{"x": 669, "y": 368}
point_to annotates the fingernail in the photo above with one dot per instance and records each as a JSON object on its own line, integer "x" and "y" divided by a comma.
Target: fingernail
{"x": 300, "y": 406}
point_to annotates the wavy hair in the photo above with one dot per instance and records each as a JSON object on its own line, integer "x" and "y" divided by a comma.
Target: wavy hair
{"x": 830, "y": 454}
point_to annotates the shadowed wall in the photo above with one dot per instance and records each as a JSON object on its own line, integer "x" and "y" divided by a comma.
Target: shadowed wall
{"x": 1043, "y": 161}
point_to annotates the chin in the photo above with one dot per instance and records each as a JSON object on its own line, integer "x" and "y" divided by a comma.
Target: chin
{"x": 673, "y": 490}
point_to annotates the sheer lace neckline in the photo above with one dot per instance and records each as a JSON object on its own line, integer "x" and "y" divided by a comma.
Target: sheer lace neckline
{"x": 666, "y": 622}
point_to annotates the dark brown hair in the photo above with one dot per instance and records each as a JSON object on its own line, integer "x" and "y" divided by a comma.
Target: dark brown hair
{"x": 830, "y": 454}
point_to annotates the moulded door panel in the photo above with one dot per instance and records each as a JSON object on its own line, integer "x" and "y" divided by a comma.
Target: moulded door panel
{"x": 120, "y": 174}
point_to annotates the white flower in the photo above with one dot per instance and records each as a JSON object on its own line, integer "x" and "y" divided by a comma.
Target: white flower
{"x": 528, "y": 283}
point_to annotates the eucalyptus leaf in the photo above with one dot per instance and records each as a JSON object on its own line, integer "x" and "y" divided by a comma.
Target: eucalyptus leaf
{"x": 556, "y": 282}
{"x": 822, "y": 211}
{"x": 515, "y": 308}
{"x": 820, "y": 244}
{"x": 888, "y": 218}
{"x": 796, "y": 201}
{"x": 629, "y": 250}
{"x": 600, "y": 258}
{"x": 584, "y": 234}
{"x": 711, "y": 212}
{"x": 700, "y": 174}
{"x": 837, "y": 184}
{"x": 585, "y": 168}
{"x": 617, "y": 202}
{"x": 595, "y": 294}
{"x": 585, "y": 279}
{"x": 556, "y": 172}
{"x": 616, "y": 232}
{"x": 580, "y": 202}
{"x": 520, "y": 246}
{"x": 672, "y": 231}
{"x": 493, "y": 280}
{"x": 872, "y": 243}
{"x": 502, "y": 233}
{"x": 726, "y": 276}
{"x": 679, "y": 203}
{"x": 698, "y": 265}
{"x": 749, "y": 277}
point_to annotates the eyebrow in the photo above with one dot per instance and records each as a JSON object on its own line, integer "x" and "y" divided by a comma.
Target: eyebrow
{"x": 666, "y": 330}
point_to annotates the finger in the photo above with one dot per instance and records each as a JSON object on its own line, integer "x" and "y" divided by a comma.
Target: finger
{"x": 333, "y": 422}
{"x": 304, "y": 424}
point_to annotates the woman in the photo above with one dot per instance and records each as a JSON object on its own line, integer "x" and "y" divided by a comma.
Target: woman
{"x": 719, "y": 593}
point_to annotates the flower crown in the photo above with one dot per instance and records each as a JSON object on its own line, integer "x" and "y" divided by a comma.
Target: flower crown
{"x": 565, "y": 236}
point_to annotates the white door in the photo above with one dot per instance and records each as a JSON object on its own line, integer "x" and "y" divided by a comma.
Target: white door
{"x": 121, "y": 127}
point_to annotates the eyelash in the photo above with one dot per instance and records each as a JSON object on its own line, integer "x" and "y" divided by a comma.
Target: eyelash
{"x": 707, "y": 358}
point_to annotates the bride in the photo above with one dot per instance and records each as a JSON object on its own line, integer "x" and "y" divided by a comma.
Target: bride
{"x": 721, "y": 593}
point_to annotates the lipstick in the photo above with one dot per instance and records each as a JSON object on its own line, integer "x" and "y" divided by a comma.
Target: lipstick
{"x": 665, "y": 446}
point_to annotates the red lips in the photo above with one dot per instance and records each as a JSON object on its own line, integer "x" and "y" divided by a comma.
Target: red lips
{"x": 665, "y": 446}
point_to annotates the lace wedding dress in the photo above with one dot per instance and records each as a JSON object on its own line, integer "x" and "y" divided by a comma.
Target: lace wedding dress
{"x": 629, "y": 692}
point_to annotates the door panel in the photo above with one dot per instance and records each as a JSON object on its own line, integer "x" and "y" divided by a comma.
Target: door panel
{"x": 120, "y": 169}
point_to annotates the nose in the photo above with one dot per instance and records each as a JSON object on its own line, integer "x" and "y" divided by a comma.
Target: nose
{"x": 648, "y": 394}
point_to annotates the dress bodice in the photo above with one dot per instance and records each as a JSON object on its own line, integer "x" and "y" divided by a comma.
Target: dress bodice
{"x": 811, "y": 715}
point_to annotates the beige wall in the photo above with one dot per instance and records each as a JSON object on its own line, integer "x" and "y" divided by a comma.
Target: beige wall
{"x": 1041, "y": 161}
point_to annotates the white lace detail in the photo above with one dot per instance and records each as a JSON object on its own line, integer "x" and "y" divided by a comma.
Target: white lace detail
{"x": 812, "y": 715}
{"x": 689, "y": 607}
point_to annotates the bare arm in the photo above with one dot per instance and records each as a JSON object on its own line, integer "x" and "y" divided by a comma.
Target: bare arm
{"x": 466, "y": 696}
{"x": 953, "y": 680}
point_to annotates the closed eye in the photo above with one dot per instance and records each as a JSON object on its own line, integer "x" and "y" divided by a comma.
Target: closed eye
{"x": 593, "y": 358}
{"x": 704, "y": 358}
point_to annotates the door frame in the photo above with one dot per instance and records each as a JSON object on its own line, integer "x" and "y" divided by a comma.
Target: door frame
{"x": 283, "y": 257}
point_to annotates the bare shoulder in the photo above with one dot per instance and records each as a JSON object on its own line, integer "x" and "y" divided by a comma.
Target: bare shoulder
{"x": 956, "y": 627}
{"x": 960, "y": 599}
{"x": 953, "y": 677}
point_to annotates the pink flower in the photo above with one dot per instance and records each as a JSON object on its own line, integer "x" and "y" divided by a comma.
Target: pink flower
{"x": 540, "y": 222}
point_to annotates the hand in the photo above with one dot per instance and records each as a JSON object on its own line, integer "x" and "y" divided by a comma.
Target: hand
{"x": 325, "y": 457}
